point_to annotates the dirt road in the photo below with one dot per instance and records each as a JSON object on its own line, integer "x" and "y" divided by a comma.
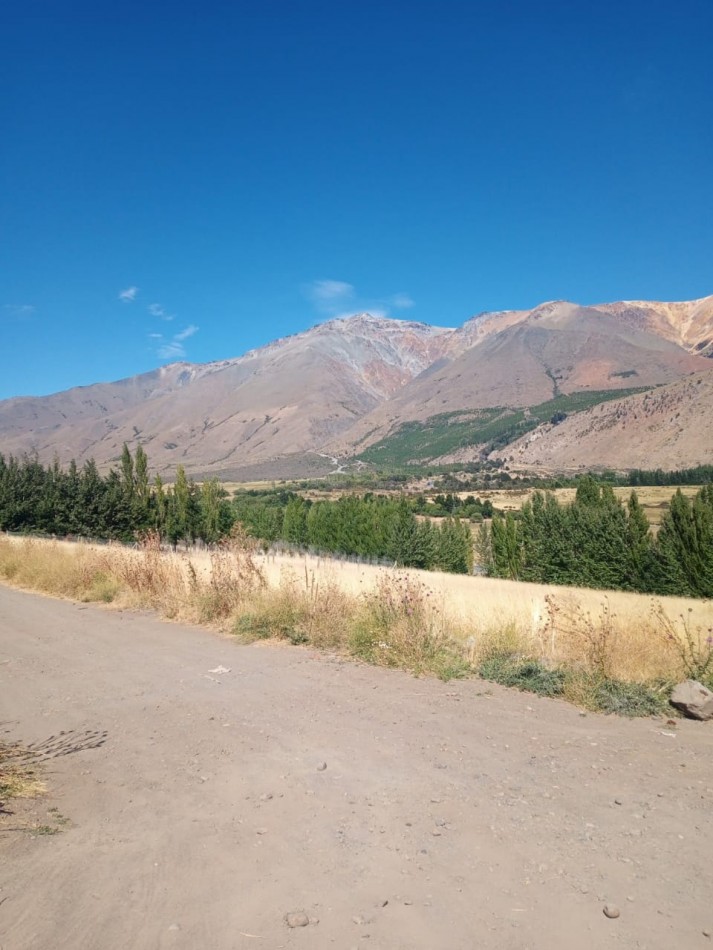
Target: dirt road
{"x": 455, "y": 816}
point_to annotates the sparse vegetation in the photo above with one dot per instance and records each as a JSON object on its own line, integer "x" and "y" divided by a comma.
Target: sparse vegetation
{"x": 600, "y": 659}
{"x": 18, "y": 778}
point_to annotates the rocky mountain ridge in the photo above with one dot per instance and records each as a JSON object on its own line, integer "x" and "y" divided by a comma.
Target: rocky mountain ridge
{"x": 282, "y": 409}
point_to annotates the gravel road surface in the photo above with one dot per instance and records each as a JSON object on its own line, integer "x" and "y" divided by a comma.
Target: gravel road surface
{"x": 194, "y": 809}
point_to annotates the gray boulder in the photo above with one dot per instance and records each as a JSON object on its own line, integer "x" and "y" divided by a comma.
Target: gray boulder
{"x": 693, "y": 699}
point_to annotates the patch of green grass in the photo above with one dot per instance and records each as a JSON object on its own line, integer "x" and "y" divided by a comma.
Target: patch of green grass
{"x": 46, "y": 830}
{"x": 523, "y": 673}
{"x": 605, "y": 695}
{"x": 629, "y": 699}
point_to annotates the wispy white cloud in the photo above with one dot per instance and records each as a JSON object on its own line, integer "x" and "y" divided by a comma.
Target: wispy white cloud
{"x": 184, "y": 334}
{"x": 128, "y": 295}
{"x": 18, "y": 311}
{"x": 158, "y": 310}
{"x": 337, "y": 298}
{"x": 173, "y": 349}
{"x": 330, "y": 295}
{"x": 402, "y": 301}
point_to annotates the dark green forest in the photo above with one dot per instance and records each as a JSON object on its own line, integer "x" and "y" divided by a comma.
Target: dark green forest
{"x": 597, "y": 541}
{"x": 119, "y": 506}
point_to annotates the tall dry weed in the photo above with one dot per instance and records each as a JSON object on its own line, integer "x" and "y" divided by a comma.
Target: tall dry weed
{"x": 48, "y": 567}
{"x": 152, "y": 578}
{"x": 301, "y": 610}
{"x": 691, "y": 643}
{"x": 400, "y": 624}
{"x": 233, "y": 577}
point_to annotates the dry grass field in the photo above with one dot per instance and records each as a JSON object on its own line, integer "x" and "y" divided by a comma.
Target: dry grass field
{"x": 423, "y": 621}
{"x": 653, "y": 498}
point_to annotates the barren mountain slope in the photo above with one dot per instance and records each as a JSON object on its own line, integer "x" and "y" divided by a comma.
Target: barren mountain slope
{"x": 346, "y": 384}
{"x": 688, "y": 323}
{"x": 287, "y": 397}
{"x": 556, "y": 348}
{"x": 665, "y": 428}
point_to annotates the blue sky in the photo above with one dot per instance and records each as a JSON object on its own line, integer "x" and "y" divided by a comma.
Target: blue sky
{"x": 184, "y": 180}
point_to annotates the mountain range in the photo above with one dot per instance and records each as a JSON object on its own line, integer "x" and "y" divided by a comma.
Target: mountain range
{"x": 354, "y": 387}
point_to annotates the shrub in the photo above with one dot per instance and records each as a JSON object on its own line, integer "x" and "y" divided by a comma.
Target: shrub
{"x": 523, "y": 673}
{"x": 629, "y": 699}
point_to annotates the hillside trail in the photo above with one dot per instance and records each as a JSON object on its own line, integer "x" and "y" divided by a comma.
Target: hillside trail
{"x": 191, "y": 772}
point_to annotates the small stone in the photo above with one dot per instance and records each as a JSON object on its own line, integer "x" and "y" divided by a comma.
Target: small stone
{"x": 617, "y": 801}
{"x": 611, "y": 911}
{"x": 322, "y": 766}
{"x": 296, "y": 919}
{"x": 436, "y": 833}
{"x": 261, "y": 831}
{"x": 266, "y": 797}
{"x": 706, "y": 933}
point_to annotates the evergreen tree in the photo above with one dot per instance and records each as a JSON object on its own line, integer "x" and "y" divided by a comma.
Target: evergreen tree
{"x": 294, "y": 525}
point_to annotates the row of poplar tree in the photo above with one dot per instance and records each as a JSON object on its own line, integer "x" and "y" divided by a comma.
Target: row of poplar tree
{"x": 126, "y": 503}
{"x": 597, "y": 541}
{"x": 118, "y": 506}
{"x": 368, "y": 526}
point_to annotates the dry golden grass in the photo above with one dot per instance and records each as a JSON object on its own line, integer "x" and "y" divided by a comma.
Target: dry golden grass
{"x": 17, "y": 777}
{"x": 422, "y": 621}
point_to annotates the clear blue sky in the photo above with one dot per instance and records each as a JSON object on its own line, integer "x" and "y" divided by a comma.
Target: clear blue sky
{"x": 251, "y": 168}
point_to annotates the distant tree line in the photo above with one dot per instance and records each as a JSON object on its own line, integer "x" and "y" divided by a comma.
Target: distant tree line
{"x": 369, "y": 526}
{"x": 597, "y": 541}
{"x": 450, "y": 504}
{"x": 700, "y": 475}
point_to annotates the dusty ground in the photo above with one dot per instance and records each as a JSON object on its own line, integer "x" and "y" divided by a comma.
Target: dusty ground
{"x": 459, "y": 815}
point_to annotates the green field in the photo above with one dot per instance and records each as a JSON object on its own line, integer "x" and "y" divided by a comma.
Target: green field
{"x": 414, "y": 443}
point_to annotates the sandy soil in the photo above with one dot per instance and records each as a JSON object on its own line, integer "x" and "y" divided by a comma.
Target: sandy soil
{"x": 460, "y": 815}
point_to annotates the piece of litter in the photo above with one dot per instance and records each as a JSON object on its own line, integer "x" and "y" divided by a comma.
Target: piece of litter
{"x": 671, "y": 735}
{"x": 220, "y": 669}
